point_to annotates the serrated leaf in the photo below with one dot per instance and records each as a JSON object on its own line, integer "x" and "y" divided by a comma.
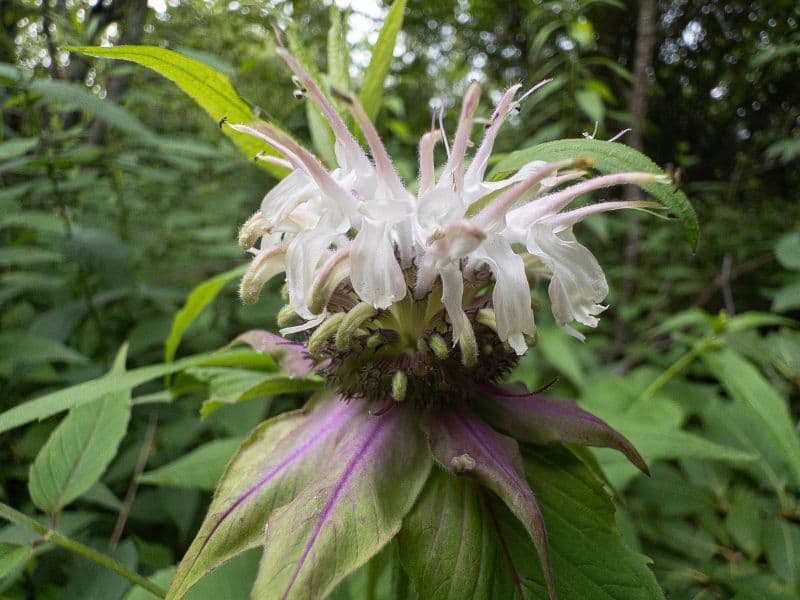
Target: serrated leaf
{"x": 280, "y": 458}
{"x": 200, "y": 297}
{"x": 53, "y": 403}
{"x": 211, "y": 90}
{"x": 80, "y": 448}
{"x": 610, "y": 157}
{"x": 375, "y": 76}
{"x": 201, "y": 468}
{"x": 768, "y": 410}
{"x": 351, "y": 509}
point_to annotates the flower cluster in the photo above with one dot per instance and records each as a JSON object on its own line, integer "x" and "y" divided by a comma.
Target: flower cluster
{"x": 386, "y": 285}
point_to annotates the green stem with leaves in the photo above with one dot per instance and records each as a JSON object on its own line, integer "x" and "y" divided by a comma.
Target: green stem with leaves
{"x": 50, "y": 535}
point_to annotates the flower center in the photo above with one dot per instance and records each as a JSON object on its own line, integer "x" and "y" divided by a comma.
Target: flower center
{"x": 407, "y": 352}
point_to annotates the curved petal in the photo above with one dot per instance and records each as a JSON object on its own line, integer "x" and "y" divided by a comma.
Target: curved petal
{"x": 577, "y": 283}
{"x": 374, "y": 272}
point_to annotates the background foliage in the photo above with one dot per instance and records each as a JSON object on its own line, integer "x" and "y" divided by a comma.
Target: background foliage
{"x": 119, "y": 196}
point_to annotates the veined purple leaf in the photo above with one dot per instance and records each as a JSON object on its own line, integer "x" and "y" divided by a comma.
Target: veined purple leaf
{"x": 279, "y": 459}
{"x": 540, "y": 419}
{"x": 465, "y": 445}
{"x": 290, "y": 356}
{"x": 349, "y": 512}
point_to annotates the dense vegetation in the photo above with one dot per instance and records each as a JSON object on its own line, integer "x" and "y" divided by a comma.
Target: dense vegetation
{"x": 120, "y": 201}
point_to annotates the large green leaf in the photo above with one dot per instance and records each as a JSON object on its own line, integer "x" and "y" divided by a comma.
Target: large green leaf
{"x": 211, "y": 90}
{"x": 201, "y": 468}
{"x": 610, "y": 157}
{"x": 53, "y": 403}
{"x": 451, "y": 523}
{"x": 81, "y": 447}
{"x": 200, "y": 297}
{"x": 375, "y": 76}
{"x": 279, "y": 459}
{"x": 350, "y": 510}
{"x": 768, "y": 410}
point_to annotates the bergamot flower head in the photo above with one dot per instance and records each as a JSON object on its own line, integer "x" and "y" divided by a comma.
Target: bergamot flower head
{"x": 413, "y": 302}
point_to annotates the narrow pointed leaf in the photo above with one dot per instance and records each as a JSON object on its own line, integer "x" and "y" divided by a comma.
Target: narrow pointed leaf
{"x": 449, "y": 546}
{"x": 538, "y": 419}
{"x": 768, "y": 410}
{"x": 374, "y": 78}
{"x": 211, "y": 90}
{"x": 465, "y": 445}
{"x": 197, "y": 300}
{"x": 610, "y": 157}
{"x": 279, "y": 459}
{"x": 201, "y": 468}
{"x": 80, "y": 448}
{"x": 53, "y": 403}
{"x": 352, "y": 509}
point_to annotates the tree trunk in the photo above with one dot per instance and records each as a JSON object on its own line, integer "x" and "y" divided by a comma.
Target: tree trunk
{"x": 643, "y": 60}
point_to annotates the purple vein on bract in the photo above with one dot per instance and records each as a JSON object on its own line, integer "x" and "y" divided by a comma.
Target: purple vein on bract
{"x": 381, "y": 424}
{"x": 341, "y": 413}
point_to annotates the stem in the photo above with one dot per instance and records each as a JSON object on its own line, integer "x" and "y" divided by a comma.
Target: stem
{"x": 101, "y": 559}
{"x": 678, "y": 366}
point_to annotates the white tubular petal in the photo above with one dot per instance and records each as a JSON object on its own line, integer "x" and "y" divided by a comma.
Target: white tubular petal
{"x": 567, "y": 219}
{"x": 452, "y": 297}
{"x": 266, "y": 264}
{"x": 553, "y": 203}
{"x": 382, "y": 161}
{"x": 332, "y": 273}
{"x": 578, "y": 283}
{"x": 511, "y": 296}
{"x": 427, "y": 167}
{"x": 303, "y": 256}
{"x": 253, "y": 228}
{"x": 274, "y": 160}
{"x": 455, "y": 163}
{"x": 351, "y": 152}
{"x": 477, "y": 168}
{"x": 376, "y": 277}
{"x": 291, "y": 191}
{"x": 310, "y": 324}
{"x": 293, "y": 159}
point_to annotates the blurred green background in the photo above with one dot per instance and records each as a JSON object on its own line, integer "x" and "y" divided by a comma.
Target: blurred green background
{"x": 119, "y": 195}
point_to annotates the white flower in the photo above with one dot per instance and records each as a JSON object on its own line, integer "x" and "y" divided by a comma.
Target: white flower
{"x": 359, "y": 223}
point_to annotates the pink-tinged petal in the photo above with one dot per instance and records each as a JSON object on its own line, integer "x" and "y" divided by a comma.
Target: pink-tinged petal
{"x": 465, "y": 445}
{"x": 477, "y": 167}
{"x": 567, "y": 219}
{"x": 351, "y": 511}
{"x": 290, "y": 356}
{"x": 350, "y": 150}
{"x": 540, "y": 419}
{"x": 427, "y": 167}
{"x": 280, "y": 458}
{"x": 454, "y": 169}
{"x": 452, "y": 295}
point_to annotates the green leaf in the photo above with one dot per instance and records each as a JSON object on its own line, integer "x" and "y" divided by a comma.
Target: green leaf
{"x": 210, "y": 89}
{"x": 201, "y": 468}
{"x": 782, "y": 547}
{"x": 13, "y": 558}
{"x": 21, "y": 346}
{"x": 17, "y": 147}
{"x": 560, "y": 350}
{"x": 78, "y": 96}
{"x": 352, "y": 508}
{"x": 787, "y": 250}
{"x": 610, "y": 157}
{"x": 590, "y": 560}
{"x": 450, "y": 522}
{"x": 768, "y": 410}
{"x": 53, "y": 403}
{"x": 280, "y": 458}
{"x": 196, "y": 301}
{"x": 27, "y": 255}
{"x": 381, "y": 61}
{"x": 787, "y": 298}
{"x": 80, "y": 448}
{"x": 338, "y": 52}
{"x": 591, "y": 104}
